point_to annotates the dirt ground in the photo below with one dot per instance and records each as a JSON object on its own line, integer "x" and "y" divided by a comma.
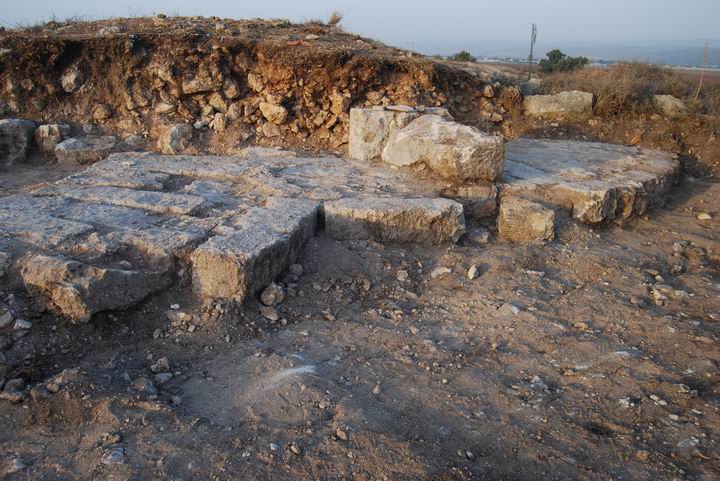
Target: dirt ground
{"x": 557, "y": 362}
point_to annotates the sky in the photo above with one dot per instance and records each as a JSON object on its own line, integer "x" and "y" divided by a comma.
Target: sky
{"x": 403, "y": 22}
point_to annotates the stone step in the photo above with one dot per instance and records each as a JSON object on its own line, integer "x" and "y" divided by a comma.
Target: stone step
{"x": 78, "y": 290}
{"x": 400, "y": 220}
{"x": 255, "y": 251}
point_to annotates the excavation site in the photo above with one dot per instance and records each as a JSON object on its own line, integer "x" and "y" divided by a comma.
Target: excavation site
{"x": 264, "y": 250}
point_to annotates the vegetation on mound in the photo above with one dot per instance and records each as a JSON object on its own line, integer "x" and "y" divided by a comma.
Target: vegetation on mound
{"x": 629, "y": 87}
{"x": 463, "y": 56}
{"x": 557, "y": 61}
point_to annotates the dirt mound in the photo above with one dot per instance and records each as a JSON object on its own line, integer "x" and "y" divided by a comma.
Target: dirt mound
{"x": 237, "y": 82}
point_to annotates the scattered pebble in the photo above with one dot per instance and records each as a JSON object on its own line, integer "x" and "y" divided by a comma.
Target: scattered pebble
{"x": 704, "y": 216}
{"x": 440, "y": 272}
{"x": 341, "y": 434}
{"x": 115, "y": 455}
{"x": 269, "y": 313}
{"x": 473, "y": 272}
{"x": 272, "y": 295}
{"x": 22, "y": 325}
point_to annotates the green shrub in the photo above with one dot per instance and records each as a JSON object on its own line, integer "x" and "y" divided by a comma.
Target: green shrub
{"x": 463, "y": 56}
{"x": 557, "y": 61}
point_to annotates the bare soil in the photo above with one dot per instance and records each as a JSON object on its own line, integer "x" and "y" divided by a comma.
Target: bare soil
{"x": 556, "y": 363}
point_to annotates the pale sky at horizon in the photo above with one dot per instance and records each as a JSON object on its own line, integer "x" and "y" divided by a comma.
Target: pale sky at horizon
{"x": 403, "y": 21}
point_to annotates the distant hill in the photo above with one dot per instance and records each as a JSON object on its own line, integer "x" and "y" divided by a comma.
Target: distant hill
{"x": 681, "y": 53}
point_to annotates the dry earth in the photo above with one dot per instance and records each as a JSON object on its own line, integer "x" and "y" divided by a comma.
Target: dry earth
{"x": 593, "y": 356}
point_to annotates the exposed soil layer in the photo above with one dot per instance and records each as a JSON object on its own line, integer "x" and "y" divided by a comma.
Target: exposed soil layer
{"x": 141, "y": 75}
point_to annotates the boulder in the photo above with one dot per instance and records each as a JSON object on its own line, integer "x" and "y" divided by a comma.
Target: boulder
{"x": 453, "y": 151}
{"x": 276, "y": 114}
{"x": 571, "y": 103}
{"x": 670, "y": 106}
{"x": 370, "y": 129}
{"x": 175, "y": 139}
{"x": 521, "y": 220}
{"x": 84, "y": 150}
{"x": 72, "y": 79}
{"x": 78, "y": 290}
{"x": 48, "y": 136}
{"x": 429, "y": 221}
{"x": 15, "y": 140}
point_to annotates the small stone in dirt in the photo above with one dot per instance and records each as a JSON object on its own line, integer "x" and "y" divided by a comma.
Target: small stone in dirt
{"x": 175, "y": 307}
{"x": 16, "y": 465}
{"x": 6, "y": 319}
{"x": 114, "y": 455}
{"x": 162, "y": 365}
{"x": 477, "y": 235}
{"x": 341, "y": 434}
{"x": 583, "y": 326}
{"x": 269, "y": 313}
{"x": 507, "y": 309}
{"x": 143, "y": 385}
{"x": 22, "y": 325}
{"x": 376, "y": 389}
{"x": 274, "y": 447}
{"x": 163, "y": 377}
{"x": 469, "y": 454}
{"x": 440, "y": 272}
{"x": 294, "y": 448}
{"x": 175, "y": 317}
{"x": 192, "y": 327}
{"x": 157, "y": 333}
{"x": 704, "y": 216}
{"x": 39, "y": 392}
{"x": 473, "y": 272}
{"x": 272, "y": 295}
{"x": 402, "y": 275}
{"x": 14, "y": 391}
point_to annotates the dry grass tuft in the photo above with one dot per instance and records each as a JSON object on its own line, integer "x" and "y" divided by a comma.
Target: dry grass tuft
{"x": 335, "y": 19}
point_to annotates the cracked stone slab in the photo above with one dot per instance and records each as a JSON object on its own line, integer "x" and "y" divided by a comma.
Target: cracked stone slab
{"x": 159, "y": 202}
{"x": 78, "y": 290}
{"x": 397, "y": 220}
{"x": 255, "y": 250}
{"x": 521, "y": 220}
{"x": 596, "y": 181}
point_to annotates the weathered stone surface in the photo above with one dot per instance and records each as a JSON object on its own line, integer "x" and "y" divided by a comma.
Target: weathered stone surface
{"x": 521, "y": 220}
{"x": 85, "y": 150}
{"x": 262, "y": 244}
{"x": 15, "y": 140}
{"x": 160, "y": 202}
{"x": 421, "y": 221}
{"x": 370, "y": 129}
{"x": 72, "y": 79}
{"x": 79, "y": 290}
{"x": 478, "y": 200}
{"x": 277, "y": 114}
{"x": 175, "y": 139}
{"x": 39, "y": 229}
{"x": 595, "y": 181}
{"x": 453, "y": 151}
{"x": 571, "y": 103}
{"x": 669, "y": 106}
{"x": 48, "y": 136}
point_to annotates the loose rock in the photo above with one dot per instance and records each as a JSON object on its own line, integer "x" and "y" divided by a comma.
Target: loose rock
{"x": 521, "y": 220}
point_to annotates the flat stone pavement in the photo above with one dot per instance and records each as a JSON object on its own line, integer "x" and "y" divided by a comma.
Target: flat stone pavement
{"x": 109, "y": 236}
{"x": 597, "y": 182}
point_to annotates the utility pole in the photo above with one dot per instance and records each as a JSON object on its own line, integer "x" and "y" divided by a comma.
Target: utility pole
{"x": 533, "y": 37}
{"x": 702, "y": 72}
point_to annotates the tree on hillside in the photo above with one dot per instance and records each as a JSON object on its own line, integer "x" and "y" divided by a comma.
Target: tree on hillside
{"x": 557, "y": 61}
{"x": 464, "y": 56}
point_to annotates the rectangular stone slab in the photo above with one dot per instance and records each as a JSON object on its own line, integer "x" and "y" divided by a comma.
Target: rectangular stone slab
{"x": 401, "y": 220}
{"x": 258, "y": 248}
{"x": 159, "y": 202}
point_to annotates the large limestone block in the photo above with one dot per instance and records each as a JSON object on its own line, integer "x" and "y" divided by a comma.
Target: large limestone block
{"x": 573, "y": 103}
{"x": 15, "y": 140}
{"x": 86, "y": 150}
{"x": 597, "y": 182}
{"x": 370, "y": 129}
{"x": 453, "y": 151}
{"x": 419, "y": 221}
{"x": 521, "y": 220}
{"x": 78, "y": 290}
{"x": 48, "y": 136}
{"x": 259, "y": 247}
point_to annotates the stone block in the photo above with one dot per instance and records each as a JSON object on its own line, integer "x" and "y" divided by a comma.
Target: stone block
{"x": 521, "y": 220}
